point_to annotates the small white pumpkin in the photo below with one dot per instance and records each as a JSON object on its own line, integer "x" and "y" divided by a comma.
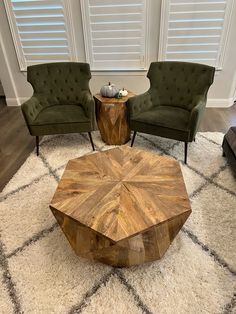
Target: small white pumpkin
{"x": 123, "y": 92}
{"x": 109, "y": 90}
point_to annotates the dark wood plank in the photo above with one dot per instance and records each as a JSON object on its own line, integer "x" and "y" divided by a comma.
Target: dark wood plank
{"x": 218, "y": 119}
{"x": 15, "y": 141}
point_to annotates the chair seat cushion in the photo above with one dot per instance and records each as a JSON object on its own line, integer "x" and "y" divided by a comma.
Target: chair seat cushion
{"x": 165, "y": 116}
{"x": 61, "y": 114}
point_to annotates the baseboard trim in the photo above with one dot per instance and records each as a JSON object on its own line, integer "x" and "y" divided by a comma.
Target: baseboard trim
{"x": 15, "y": 102}
{"x": 12, "y": 102}
{"x": 211, "y": 103}
{"x": 220, "y": 103}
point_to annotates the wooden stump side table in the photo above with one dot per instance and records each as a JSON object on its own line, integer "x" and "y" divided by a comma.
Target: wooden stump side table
{"x": 112, "y": 119}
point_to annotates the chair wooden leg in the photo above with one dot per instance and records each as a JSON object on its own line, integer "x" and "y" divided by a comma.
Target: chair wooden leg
{"x": 37, "y": 145}
{"x": 133, "y": 138}
{"x": 91, "y": 140}
{"x": 185, "y": 152}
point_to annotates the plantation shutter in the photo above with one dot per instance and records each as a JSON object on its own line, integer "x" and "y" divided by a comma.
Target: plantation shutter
{"x": 115, "y": 33}
{"x": 41, "y": 31}
{"x": 194, "y": 31}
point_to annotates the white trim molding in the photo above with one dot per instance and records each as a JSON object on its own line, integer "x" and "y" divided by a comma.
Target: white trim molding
{"x": 7, "y": 77}
{"x": 230, "y": 7}
{"x": 165, "y": 8}
{"x": 211, "y": 102}
{"x": 70, "y": 30}
{"x": 220, "y": 103}
{"x": 15, "y": 102}
{"x": 120, "y": 73}
{"x": 234, "y": 94}
{"x": 233, "y": 88}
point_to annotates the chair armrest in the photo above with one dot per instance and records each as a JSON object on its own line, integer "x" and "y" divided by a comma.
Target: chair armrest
{"x": 88, "y": 104}
{"x": 199, "y": 104}
{"x": 138, "y": 104}
{"x": 31, "y": 109}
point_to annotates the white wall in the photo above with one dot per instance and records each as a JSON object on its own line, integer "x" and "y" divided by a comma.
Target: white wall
{"x": 17, "y": 89}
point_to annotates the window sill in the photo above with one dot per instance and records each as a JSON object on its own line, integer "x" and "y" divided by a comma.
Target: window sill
{"x": 122, "y": 72}
{"x": 119, "y": 72}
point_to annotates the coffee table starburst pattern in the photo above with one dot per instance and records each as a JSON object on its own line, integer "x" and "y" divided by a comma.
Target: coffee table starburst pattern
{"x": 122, "y": 207}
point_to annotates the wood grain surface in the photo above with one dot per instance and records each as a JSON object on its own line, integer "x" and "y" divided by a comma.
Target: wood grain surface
{"x": 121, "y": 200}
{"x": 111, "y": 114}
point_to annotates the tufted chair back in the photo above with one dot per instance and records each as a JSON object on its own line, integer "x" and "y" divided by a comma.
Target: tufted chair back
{"x": 176, "y": 83}
{"x": 59, "y": 83}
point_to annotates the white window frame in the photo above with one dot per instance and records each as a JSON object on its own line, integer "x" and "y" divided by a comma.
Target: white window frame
{"x": 165, "y": 8}
{"x": 16, "y": 38}
{"x": 88, "y": 43}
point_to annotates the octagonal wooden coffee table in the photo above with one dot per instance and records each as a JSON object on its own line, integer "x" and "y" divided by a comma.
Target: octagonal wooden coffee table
{"x": 122, "y": 207}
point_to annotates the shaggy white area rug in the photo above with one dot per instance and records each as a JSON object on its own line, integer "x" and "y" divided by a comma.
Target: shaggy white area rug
{"x": 41, "y": 274}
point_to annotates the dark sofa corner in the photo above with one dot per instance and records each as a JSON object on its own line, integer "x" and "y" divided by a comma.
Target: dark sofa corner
{"x": 229, "y": 147}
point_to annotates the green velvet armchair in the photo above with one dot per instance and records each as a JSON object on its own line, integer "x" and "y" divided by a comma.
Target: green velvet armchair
{"x": 62, "y": 102}
{"x": 175, "y": 102}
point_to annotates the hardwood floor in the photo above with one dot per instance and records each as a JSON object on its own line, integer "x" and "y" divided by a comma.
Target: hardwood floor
{"x": 15, "y": 141}
{"x": 16, "y": 144}
{"x": 218, "y": 119}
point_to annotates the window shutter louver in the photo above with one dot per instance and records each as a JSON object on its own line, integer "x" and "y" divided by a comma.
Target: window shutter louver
{"x": 41, "y": 31}
{"x": 194, "y": 31}
{"x": 115, "y": 33}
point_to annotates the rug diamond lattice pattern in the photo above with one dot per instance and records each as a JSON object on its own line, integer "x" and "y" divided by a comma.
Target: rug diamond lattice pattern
{"x": 41, "y": 274}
